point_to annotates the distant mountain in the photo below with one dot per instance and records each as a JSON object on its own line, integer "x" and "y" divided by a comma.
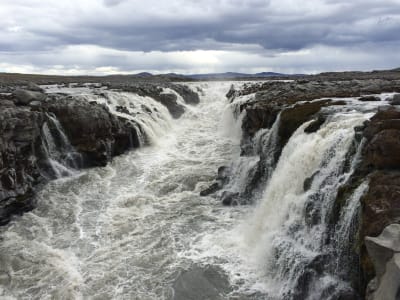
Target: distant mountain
{"x": 231, "y": 75}
{"x": 144, "y": 74}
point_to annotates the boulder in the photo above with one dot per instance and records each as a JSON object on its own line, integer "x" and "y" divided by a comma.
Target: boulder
{"x": 23, "y": 97}
{"x": 369, "y": 98}
{"x": 211, "y": 189}
{"x": 395, "y": 100}
{"x": 34, "y": 87}
{"x": 384, "y": 251}
{"x": 189, "y": 96}
{"x": 171, "y": 102}
{"x": 230, "y": 198}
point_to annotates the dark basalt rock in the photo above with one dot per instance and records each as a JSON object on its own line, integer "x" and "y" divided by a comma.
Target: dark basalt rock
{"x": 170, "y": 101}
{"x": 156, "y": 92}
{"x": 189, "y": 96}
{"x": 91, "y": 128}
{"x": 20, "y": 134}
{"x": 369, "y": 98}
{"x": 230, "y": 199}
{"x": 23, "y": 97}
{"x": 31, "y": 86}
{"x": 395, "y": 100}
{"x": 316, "y": 124}
{"x": 211, "y": 189}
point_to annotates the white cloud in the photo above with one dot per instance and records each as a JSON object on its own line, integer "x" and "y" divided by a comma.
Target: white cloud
{"x": 110, "y": 36}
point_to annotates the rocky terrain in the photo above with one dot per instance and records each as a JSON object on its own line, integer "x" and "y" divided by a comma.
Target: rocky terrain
{"x": 93, "y": 134}
{"x": 28, "y": 115}
{"x": 295, "y": 103}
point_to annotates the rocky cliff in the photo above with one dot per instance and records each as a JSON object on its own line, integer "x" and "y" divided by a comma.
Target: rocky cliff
{"x": 281, "y": 107}
{"x": 42, "y": 135}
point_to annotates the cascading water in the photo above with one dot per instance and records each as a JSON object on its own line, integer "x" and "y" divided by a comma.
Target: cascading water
{"x": 59, "y": 157}
{"x": 127, "y": 230}
{"x": 151, "y": 119}
{"x": 121, "y": 231}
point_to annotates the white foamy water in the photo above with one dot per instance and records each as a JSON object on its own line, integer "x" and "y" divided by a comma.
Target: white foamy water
{"x": 125, "y": 231}
{"x": 119, "y": 232}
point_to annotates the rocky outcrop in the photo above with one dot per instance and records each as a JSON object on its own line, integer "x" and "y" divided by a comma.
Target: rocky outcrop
{"x": 96, "y": 134}
{"x": 384, "y": 251}
{"x": 92, "y": 129}
{"x": 271, "y": 97}
{"x": 158, "y": 93}
{"x": 295, "y": 103}
{"x": 20, "y": 136}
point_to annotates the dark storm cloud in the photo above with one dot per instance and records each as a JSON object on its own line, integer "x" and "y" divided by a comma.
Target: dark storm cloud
{"x": 264, "y": 27}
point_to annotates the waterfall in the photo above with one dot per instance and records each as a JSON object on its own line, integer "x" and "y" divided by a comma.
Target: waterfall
{"x": 150, "y": 118}
{"x": 289, "y": 229}
{"x": 59, "y": 158}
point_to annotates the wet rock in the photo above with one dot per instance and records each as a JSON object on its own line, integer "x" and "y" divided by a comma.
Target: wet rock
{"x": 229, "y": 198}
{"x": 369, "y": 98}
{"x": 231, "y": 93}
{"x": 223, "y": 174}
{"x": 395, "y": 100}
{"x": 384, "y": 251}
{"x": 189, "y": 96}
{"x": 171, "y": 102}
{"x": 308, "y": 181}
{"x": 211, "y": 189}
{"x": 93, "y": 130}
{"x": 122, "y": 109}
{"x": 206, "y": 283}
{"x": 23, "y": 97}
{"x": 20, "y": 134}
{"x": 316, "y": 124}
{"x": 34, "y": 87}
{"x": 292, "y": 118}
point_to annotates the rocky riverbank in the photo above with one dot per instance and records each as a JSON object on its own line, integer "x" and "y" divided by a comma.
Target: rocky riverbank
{"x": 43, "y": 133}
{"x": 281, "y": 108}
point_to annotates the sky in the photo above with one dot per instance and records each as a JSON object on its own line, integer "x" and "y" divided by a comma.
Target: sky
{"x": 98, "y": 37}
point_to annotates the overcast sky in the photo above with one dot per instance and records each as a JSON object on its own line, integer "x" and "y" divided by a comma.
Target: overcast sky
{"x": 188, "y": 36}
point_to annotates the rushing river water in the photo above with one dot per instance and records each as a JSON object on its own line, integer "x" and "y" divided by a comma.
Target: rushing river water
{"x": 130, "y": 230}
{"x": 125, "y": 231}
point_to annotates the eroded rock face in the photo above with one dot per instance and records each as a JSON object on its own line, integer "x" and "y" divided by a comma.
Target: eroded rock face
{"x": 271, "y": 97}
{"x": 20, "y": 134}
{"x": 156, "y": 91}
{"x": 91, "y": 128}
{"x": 380, "y": 160}
{"x": 384, "y": 251}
